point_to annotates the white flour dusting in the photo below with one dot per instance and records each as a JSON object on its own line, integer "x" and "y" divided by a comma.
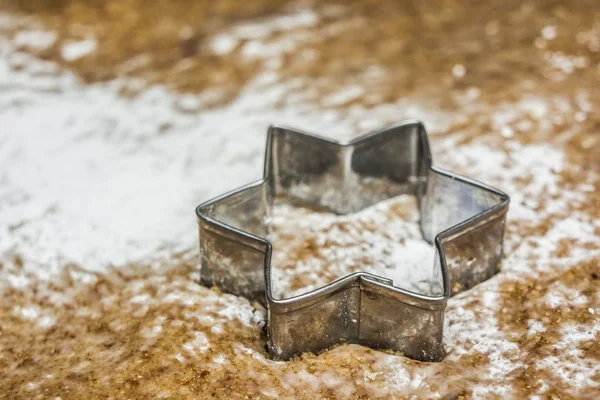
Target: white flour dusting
{"x": 90, "y": 177}
{"x": 315, "y": 248}
{"x": 75, "y": 50}
{"x": 93, "y": 178}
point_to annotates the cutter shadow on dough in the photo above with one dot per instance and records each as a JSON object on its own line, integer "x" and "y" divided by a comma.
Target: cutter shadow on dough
{"x": 463, "y": 219}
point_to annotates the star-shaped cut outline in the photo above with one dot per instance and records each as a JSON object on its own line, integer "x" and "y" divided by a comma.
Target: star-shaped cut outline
{"x": 463, "y": 219}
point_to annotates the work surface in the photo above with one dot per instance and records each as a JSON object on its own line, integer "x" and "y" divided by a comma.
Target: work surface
{"x": 118, "y": 117}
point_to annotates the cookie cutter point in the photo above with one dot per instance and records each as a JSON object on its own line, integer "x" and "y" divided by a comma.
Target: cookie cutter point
{"x": 462, "y": 218}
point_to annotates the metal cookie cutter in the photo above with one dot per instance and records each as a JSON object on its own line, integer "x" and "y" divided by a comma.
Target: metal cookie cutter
{"x": 462, "y": 218}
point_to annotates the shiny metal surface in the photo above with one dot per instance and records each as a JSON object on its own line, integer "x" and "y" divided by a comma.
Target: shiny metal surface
{"x": 462, "y": 218}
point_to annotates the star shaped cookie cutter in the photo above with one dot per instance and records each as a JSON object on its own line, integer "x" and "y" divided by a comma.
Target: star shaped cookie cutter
{"x": 463, "y": 219}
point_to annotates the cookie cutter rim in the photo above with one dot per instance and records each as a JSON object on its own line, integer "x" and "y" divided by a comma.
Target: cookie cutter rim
{"x": 363, "y": 280}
